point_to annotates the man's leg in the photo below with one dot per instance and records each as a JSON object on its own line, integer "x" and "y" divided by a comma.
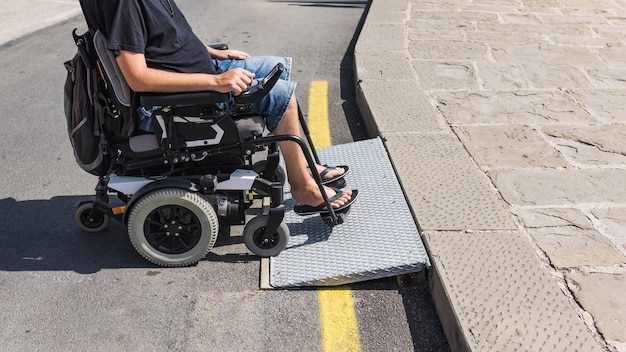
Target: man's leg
{"x": 304, "y": 189}
{"x": 261, "y": 66}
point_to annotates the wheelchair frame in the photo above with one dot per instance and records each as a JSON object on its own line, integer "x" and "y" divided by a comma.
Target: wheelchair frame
{"x": 173, "y": 218}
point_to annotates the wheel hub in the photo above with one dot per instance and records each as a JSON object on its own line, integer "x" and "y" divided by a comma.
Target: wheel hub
{"x": 263, "y": 241}
{"x": 172, "y": 229}
{"x": 92, "y": 218}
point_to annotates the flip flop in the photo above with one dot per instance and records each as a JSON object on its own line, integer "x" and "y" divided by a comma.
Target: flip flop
{"x": 304, "y": 210}
{"x": 331, "y": 168}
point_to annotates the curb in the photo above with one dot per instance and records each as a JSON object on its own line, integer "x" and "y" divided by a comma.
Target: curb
{"x": 394, "y": 17}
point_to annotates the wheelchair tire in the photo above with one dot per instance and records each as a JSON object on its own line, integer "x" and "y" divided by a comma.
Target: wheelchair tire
{"x": 90, "y": 219}
{"x": 173, "y": 227}
{"x": 279, "y": 173}
{"x": 253, "y": 237}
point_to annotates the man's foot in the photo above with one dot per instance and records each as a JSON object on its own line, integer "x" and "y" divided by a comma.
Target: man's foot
{"x": 311, "y": 201}
{"x": 301, "y": 209}
{"x": 331, "y": 174}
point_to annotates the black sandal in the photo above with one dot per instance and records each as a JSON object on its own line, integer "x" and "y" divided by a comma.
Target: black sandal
{"x": 304, "y": 210}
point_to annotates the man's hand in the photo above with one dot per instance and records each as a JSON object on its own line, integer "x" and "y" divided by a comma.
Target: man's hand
{"x": 236, "y": 80}
{"x": 227, "y": 54}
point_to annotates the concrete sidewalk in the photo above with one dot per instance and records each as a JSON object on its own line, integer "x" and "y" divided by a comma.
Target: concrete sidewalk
{"x": 505, "y": 121}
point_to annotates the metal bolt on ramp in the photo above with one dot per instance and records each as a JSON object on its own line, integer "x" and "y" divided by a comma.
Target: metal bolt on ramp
{"x": 378, "y": 239}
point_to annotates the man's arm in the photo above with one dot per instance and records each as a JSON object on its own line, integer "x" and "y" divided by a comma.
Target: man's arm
{"x": 142, "y": 78}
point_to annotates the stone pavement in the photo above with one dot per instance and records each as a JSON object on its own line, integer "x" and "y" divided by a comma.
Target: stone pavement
{"x": 506, "y": 122}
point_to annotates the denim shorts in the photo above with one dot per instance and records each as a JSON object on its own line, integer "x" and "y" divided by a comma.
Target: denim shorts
{"x": 273, "y": 106}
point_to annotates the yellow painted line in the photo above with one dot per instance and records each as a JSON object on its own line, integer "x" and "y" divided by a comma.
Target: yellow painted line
{"x": 319, "y": 126}
{"x": 340, "y": 331}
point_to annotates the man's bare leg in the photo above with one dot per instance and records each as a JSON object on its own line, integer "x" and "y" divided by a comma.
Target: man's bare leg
{"x": 304, "y": 189}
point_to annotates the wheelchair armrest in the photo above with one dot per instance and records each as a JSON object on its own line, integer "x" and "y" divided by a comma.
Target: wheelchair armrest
{"x": 191, "y": 98}
{"x": 221, "y": 46}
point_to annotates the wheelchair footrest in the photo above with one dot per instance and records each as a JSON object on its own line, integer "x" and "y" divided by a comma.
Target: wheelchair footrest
{"x": 341, "y": 217}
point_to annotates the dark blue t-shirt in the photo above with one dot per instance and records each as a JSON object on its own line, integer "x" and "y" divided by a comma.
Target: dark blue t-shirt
{"x": 153, "y": 28}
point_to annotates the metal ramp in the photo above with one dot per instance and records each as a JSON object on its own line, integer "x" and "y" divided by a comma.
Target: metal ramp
{"x": 378, "y": 239}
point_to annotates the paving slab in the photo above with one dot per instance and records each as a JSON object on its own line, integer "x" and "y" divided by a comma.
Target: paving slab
{"x": 614, "y": 221}
{"x": 445, "y": 188}
{"x": 502, "y": 107}
{"x": 567, "y": 186}
{"x": 434, "y": 30}
{"x": 509, "y": 146}
{"x": 602, "y": 294}
{"x": 607, "y": 77}
{"x": 445, "y": 74}
{"x": 398, "y": 106}
{"x": 382, "y": 37}
{"x": 517, "y": 38}
{"x": 546, "y": 77}
{"x": 568, "y": 238}
{"x": 603, "y": 105}
{"x": 397, "y": 68}
{"x": 448, "y": 50}
{"x": 521, "y": 27}
{"x": 501, "y": 296}
{"x": 500, "y": 76}
{"x": 590, "y": 145}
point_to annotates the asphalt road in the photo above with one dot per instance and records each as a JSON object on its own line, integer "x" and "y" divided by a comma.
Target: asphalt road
{"x": 64, "y": 290}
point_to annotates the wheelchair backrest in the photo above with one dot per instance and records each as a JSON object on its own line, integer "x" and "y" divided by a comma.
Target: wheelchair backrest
{"x": 112, "y": 72}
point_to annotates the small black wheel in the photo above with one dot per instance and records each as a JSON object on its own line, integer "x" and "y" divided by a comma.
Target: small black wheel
{"x": 90, "y": 219}
{"x": 173, "y": 227}
{"x": 258, "y": 243}
{"x": 278, "y": 176}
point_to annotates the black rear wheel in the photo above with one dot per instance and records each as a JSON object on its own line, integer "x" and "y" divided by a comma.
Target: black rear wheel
{"x": 173, "y": 227}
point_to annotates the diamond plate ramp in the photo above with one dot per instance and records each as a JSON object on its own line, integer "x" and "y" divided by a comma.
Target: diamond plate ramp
{"x": 379, "y": 238}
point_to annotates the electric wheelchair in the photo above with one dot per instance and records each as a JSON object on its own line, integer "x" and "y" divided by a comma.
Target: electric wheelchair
{"x": 199, "y": 170}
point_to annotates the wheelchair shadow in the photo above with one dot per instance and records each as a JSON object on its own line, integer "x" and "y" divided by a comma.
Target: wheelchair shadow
{"x": 312, "y": 230}
{"x": 41, "y": 235}
{"x": 307, "y": 230}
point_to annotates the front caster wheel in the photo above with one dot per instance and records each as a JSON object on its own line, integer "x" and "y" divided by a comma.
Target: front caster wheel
{"x": 90, "y": 219}
{"x": 261, "y": 245}
{"x": 173, "y": 227}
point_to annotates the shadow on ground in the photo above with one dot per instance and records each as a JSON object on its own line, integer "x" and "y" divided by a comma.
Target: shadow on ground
{"x": 42, "y": 235}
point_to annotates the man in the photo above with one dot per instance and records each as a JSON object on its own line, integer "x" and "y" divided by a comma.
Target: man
{"x": 157, "y": 51}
